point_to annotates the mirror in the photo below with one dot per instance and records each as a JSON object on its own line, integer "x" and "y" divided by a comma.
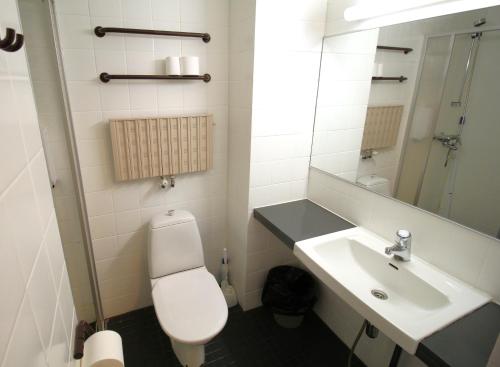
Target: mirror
{"x": 412, "y": 111}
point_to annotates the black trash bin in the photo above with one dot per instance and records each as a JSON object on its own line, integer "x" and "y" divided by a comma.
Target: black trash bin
{"x": 289, "y": 292}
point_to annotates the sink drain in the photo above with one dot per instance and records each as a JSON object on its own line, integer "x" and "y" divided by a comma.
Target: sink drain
{"x": 377, "y": 293}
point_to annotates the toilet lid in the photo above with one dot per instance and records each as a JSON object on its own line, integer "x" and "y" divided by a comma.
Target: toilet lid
{"x": 190, "y": 306}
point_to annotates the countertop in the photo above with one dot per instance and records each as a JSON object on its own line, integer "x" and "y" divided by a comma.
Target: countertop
{"x": 468, "y": 342}
{"x": 299, "y": 220}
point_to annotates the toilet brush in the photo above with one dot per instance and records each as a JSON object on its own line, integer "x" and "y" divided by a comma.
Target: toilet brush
{"x": 227, "y": 289}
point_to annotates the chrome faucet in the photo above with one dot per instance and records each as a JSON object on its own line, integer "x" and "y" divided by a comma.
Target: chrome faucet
{"x": 402, "y": 246}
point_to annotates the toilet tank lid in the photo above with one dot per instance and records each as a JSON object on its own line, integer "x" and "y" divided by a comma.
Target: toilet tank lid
{"x": 171, "y": 218}
{"x": 371, "y": 180}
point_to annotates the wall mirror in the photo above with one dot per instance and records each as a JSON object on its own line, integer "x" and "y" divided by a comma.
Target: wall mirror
{"x": 412, "y": 111}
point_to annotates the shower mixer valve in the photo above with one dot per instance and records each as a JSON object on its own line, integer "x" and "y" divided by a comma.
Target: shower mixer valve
{"x": 448, "y": 141}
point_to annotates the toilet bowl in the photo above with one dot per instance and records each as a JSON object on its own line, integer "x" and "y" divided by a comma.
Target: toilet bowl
{"x": 188, "y": 302}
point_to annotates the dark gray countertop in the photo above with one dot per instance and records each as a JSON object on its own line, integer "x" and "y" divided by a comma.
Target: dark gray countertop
{"x": 299, "y": 220}
{"x": 467, "y": 342}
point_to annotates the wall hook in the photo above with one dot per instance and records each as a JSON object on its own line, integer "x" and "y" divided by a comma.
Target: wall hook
{"x": 10, "y": 36}
{"x": 16, "y": 45}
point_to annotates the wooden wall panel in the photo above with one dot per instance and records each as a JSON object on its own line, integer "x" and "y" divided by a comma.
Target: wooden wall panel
{"x": 162, "y": 146}
{"x": 381, "y": 127}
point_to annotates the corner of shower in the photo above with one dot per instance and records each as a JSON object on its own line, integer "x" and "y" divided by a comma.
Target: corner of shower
{"x": 74, "y": 228}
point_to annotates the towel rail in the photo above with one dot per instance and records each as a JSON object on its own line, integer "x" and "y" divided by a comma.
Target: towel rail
{"x": 105, "y": 77}
{"x": 101, "y": 32}
{"x": 396, "y": 78}
{"x": 406, "y": 50}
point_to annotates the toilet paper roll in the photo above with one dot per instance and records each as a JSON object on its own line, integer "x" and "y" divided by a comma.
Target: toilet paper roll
{"x": 103, "y": 349}
{"x": 172, "y": 65}
{"x": 190, "y": 65}
{"x": 378, "y": 69}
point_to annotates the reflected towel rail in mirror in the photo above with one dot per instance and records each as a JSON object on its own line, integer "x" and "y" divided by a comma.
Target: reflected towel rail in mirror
{"x": 393, "y": 48}
{"x": 397, "y": 78}
{"x": 101, "y": 32}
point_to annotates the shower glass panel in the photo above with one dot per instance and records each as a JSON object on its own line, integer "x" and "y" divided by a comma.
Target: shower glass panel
{"x": 49, "y": 98}
{"x": 426, "y": 109}
{"x": 479, "y": 152}
{"x": 462, "y": 140}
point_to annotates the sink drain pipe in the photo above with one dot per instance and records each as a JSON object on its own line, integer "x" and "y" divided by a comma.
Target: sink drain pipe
{"x": 353, "y": 348}
{"x": 370, "y": 330}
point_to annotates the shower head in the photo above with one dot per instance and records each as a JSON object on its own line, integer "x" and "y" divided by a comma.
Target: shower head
{"x": 480, "y": 22}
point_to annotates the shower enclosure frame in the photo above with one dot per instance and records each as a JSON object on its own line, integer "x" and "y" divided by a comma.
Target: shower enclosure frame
{"x": 77, "y": 176}
{"x": 411, "y": 114}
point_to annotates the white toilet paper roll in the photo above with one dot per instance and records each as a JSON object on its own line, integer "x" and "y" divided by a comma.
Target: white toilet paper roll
{"x": 103, "y": 349}
{"x": 190, "y": 65}
{"x": 172, "y": 65}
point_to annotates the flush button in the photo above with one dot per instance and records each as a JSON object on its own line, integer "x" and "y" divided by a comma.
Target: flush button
{"x": 171, "y": 212}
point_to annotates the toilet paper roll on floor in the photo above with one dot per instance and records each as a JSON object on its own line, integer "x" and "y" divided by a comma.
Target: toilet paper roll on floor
{"x": 103, "y": 349}
{"x": 190, "y": 65}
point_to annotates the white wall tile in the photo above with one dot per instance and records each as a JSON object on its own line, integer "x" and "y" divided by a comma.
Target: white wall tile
{"x": 26, "y": 213}
{"x": 81, "y": 65}
{"x": 108, "y": 8}
{"x": 99, "y": 203}
{"x": 73, "y": 7}
{"x": 84, "y": 96}
{"x": 78, "y": 32}
{"x": 102, "y": 226}
{"x": 25, "y": 348}
{"x": 43, "y": 297}
{"x": 58, "y": 354}
{"x": 133, "y": 9}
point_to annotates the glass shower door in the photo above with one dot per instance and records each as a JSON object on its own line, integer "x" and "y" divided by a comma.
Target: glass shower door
{"x": 479, "y": 154}
{"x": 464, "y": 148}
{"x": 426, "y": 109}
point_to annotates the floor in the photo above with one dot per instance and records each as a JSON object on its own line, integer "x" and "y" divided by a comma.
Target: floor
{"x": 250, "y": 338}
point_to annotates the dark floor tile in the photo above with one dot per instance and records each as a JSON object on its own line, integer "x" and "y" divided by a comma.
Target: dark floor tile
{"x": 249, "y": 339}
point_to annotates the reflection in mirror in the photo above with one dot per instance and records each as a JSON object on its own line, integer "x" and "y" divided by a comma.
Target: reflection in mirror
{"x": 412, "y": 111}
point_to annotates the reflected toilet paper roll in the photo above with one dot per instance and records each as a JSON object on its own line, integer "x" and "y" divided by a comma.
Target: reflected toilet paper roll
{"x": 172, "y": 65}
{"x": 190, "y": 65}
{"x": 103, "y": 349}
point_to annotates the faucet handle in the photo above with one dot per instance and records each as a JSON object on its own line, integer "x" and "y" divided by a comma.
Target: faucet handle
{"x": 403, "y": 234}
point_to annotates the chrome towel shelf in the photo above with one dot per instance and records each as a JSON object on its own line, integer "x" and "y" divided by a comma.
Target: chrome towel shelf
{"x": 105, "y": 77}
{"x": 101, "y": 32}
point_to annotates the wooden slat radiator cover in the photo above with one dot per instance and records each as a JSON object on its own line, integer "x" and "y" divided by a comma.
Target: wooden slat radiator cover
{"x": 162, "y": 146}
{"x": 381, "y": 127}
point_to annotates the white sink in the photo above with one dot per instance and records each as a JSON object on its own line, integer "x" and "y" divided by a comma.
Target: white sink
{"x": 420, "y": 298}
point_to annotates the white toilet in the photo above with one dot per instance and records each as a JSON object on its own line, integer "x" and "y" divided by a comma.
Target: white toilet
{"x": 188, "y": 302}
{"x": 375, "y": 183}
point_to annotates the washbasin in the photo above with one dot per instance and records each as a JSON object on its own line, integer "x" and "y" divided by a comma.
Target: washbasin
{"x": 407, "y": 301}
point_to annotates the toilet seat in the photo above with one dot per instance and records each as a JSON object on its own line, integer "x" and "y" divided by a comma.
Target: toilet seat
{"x": 190, "y": 306}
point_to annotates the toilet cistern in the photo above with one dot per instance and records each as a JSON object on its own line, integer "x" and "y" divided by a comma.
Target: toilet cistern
{"x": 402, "y": 247}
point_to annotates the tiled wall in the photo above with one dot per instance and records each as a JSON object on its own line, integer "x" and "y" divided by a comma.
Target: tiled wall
{"x": 241, "y": 57}
{"x": 286, "y": 69}
{"x": 40, "y": 49}
{"x": 343, "y": 93}
{"x": 119, "y": 212}
{"x": 37, "y": 315}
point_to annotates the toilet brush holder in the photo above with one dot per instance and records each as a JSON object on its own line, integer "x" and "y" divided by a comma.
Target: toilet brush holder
{"x": 229, "y": 294}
